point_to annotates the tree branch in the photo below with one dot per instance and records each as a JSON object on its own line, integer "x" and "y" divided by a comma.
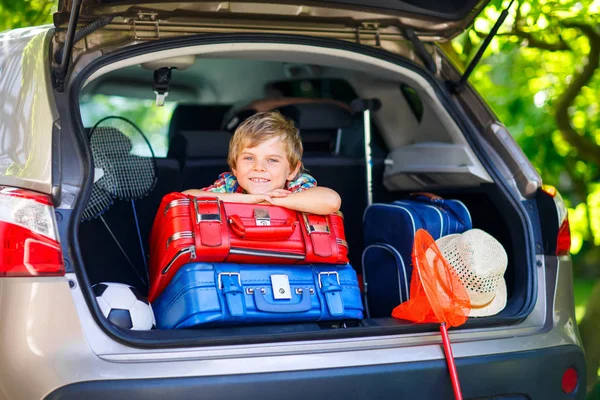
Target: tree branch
{"x": 532, "y": 41}
{"x": 586, "y": 148}
{"x": 579, "y": 186}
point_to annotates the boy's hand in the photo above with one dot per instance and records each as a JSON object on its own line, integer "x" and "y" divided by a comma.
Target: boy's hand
{"x": 278, "y": 193}
{"x": 257, "y": 199}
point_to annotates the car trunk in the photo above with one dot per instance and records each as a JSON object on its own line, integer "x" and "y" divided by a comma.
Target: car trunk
{"x": 491, "y": 205}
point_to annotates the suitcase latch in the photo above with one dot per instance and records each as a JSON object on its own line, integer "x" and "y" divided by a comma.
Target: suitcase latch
{"x": 262, "y": 217}
{"x": 281, "y": 287}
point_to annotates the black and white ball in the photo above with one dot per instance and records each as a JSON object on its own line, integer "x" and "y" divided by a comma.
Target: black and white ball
{"x": 124, "y": 306}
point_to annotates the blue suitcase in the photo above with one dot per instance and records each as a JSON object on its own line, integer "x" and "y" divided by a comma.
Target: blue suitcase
{"x": 219, "y": 294}
{"x": 389, "y": 231}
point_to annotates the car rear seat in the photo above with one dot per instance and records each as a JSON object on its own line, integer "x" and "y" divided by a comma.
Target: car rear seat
{"x": 334, "y": 153}
{"x": 200, "y": 148}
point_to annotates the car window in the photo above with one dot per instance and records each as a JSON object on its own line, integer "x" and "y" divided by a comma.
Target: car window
{"x": 153, "y": 121}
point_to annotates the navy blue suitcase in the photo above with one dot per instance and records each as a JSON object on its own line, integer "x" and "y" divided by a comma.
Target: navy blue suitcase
{"x": 389, "y": 231}
{"x": 219, "y": 294}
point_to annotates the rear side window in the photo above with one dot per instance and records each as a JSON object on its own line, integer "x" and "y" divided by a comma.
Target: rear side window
{"x": 413, "y": 100}
{"x": 153, "y": 121}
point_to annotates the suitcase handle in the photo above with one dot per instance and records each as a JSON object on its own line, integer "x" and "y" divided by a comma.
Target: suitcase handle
{"x": 430, "y": 196}
{"x": 439, "y": 201}
{"x": 305, "y": 304}
{"x": 271, "y": 232}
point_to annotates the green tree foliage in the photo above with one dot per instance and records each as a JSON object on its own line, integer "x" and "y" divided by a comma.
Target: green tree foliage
{"x": 21, "y": 13}
{"x": 540, "y": 75}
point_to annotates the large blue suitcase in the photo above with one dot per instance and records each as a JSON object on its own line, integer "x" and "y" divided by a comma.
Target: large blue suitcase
{"x": 220, "y": 294}
{"x": 389, "y": 231}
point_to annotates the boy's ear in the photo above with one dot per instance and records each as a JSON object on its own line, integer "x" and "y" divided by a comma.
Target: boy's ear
{"x": 294, "y": 172}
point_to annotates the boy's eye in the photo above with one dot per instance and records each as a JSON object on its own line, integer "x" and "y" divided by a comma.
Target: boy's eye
{"x": 248, "y": 158}
{"x": 273, "y": 160}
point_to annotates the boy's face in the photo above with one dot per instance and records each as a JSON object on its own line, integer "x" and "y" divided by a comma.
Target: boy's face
{"x": 264, "y": 168}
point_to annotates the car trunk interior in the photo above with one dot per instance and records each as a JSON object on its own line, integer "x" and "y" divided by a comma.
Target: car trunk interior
{"x": 203, "y": 97}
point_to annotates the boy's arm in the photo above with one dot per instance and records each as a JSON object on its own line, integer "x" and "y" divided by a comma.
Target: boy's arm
{"x": 316, "y": 200}
{"x": 232, "y": 197}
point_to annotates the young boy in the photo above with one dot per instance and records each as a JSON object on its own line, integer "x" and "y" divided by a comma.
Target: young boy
{"x": 265, "y": 157}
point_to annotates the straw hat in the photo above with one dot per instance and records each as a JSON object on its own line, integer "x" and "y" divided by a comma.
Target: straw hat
{"x": 480, "y": 262}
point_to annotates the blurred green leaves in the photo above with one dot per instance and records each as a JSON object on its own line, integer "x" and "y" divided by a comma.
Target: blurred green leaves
{"x": 527, "y": 74}
{"x": 21, "y": 13}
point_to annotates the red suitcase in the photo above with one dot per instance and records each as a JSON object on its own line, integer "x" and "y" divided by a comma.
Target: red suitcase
{"x": 205, "y": 229}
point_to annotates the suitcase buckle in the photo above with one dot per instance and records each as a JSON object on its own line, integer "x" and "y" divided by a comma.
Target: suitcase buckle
{"x": 337, "y": 276}
{"x": 209, "y": 217}
{"x": 315, "y": 228}
{"x": 220, "y": 282}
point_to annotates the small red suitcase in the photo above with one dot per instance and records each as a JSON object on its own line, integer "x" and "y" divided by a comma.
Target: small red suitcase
{"x": 205, "y": 229}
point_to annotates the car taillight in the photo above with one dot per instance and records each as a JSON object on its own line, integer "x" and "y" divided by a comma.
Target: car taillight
{"x": 570, "y": 380}
{"x": 28, "y": 235}
{"x": 563, "y": 242}
{"x": 563, "y": 239}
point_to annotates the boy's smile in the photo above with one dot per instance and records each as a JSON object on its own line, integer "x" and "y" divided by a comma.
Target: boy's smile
{"x": 264, "y": 168}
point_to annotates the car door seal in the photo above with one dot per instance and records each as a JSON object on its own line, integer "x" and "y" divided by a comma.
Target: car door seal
{"x": 420, "y": 49}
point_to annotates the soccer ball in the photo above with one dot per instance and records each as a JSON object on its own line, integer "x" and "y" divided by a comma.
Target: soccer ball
{"x": 124, "y": 306}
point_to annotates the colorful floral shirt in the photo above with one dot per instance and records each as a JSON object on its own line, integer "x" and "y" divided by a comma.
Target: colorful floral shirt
{"x": 227, "y": 183}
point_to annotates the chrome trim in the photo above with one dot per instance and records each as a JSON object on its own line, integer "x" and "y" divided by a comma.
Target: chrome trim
{"x": 251, "y": 290}
{"x": 342, "y": 242}
{"x": 264, "y": 253}
{"x": 177, "y": 203}
{"x": 191, "y": 250}
{"x": 300, "y": 291}
{"x": 180, "y": 235}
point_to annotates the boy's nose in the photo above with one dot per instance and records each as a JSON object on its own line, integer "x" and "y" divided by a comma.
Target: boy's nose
{"x": 258, "y": 166}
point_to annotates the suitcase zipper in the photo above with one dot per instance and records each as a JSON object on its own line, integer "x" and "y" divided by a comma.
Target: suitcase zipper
{"x": 191, "y": 250}
{"x": 400, "y": 260}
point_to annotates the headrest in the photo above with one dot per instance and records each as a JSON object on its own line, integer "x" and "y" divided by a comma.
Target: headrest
{"x": 195, "y": 117}
{"x": 306, "y": 113}
{"x": 317, "y": 116}
{"x": 199, "y": 144}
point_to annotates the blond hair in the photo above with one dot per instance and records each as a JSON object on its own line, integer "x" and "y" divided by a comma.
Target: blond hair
{"x": 264, "y": 126}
